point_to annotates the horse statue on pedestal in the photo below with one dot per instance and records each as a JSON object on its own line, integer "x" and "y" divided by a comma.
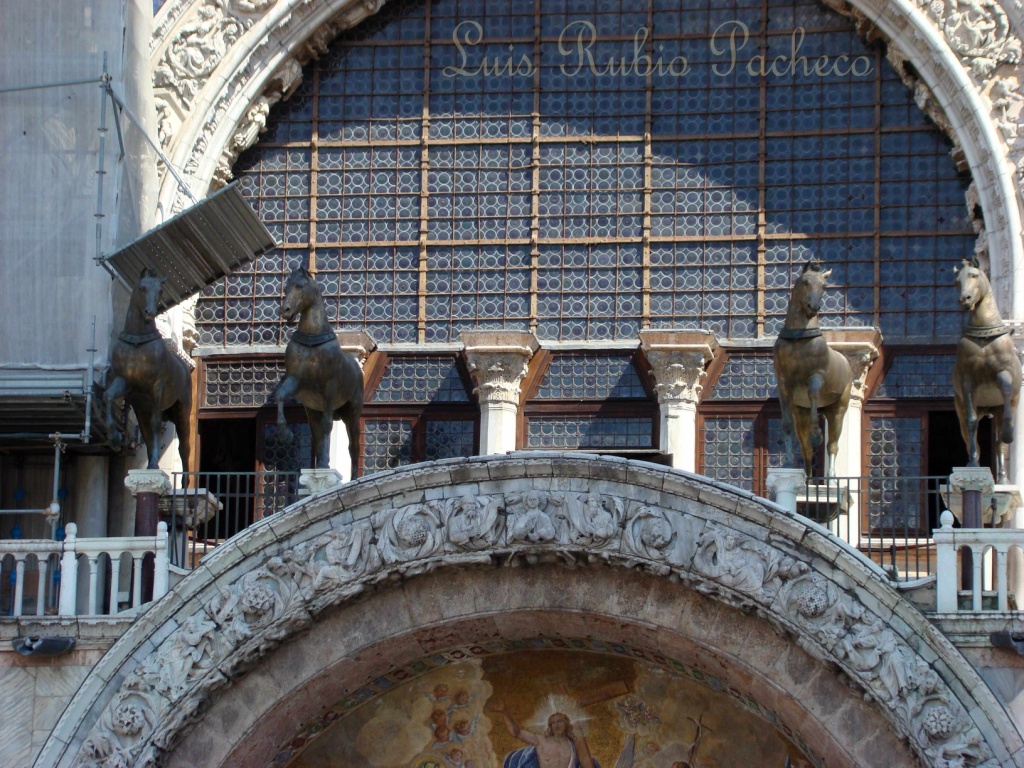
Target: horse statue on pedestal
{"x": 811, "y": 377}
{"x": 318, "y": 373}
{"x": 987, "y": 372}
{"x": 150, "y": 375}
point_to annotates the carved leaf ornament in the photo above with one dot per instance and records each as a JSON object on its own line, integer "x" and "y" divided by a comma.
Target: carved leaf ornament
{"x": 242, "y": 619}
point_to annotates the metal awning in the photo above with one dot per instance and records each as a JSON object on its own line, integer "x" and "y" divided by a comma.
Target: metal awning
{"x": 195, "y": 248}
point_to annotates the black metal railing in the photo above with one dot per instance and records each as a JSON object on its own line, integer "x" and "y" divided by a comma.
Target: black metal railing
{"x": 217, "y": 505}
{"x": 889, "y": 519}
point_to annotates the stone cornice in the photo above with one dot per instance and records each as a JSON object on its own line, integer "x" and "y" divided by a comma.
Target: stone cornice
{"x": 282, "y": 573}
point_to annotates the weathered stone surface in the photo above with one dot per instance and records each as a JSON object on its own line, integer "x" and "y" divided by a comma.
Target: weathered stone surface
{"x": 700, "y": 581}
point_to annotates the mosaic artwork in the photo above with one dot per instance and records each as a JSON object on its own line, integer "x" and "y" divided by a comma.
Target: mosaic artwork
{"x": 552, "y": 709}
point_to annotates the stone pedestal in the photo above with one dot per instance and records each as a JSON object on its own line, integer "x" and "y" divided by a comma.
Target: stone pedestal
{"x": 189, "y": 507}
{"x": 785, "y": 484}
{"x": 498, "y": 362}
{"x": 971, "y": 484}
{"x": 678, "y": 360}
{"x": 313, "y": 481}
{"x": 147, "y": 486}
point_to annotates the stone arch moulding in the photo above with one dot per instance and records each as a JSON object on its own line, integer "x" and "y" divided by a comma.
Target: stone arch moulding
{"x": 351, "y": 551}
{"x": 219, "y": 65}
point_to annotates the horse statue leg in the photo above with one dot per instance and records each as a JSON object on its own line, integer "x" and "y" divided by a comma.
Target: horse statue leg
{"x": 802, "y": 417}
{"x": 320, "y": 426}
{"x": 968, "y": 415}
{"x": 179, "y": 417}
{"x": 814, "y": 385}
{"x": 1004, "y": 425}
{"x": 834, "y": 416}
{"x": 287, "y": 388}
{"x": 350, "y": 413}
{"x": 117, "y": 389}
{"x": 788, "y": 427}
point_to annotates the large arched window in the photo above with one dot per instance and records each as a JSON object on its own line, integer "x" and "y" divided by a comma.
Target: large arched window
{"x": 587, "y": 170}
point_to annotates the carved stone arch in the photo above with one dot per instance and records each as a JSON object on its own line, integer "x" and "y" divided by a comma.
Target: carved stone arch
{"x": 218, "y": 66}
{"x": 682, "y": 559}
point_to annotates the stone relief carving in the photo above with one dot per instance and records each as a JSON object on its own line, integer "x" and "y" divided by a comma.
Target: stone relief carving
{"x": 649, "y": 534}
{"x": 889, "y": 669}
{"x": 743, "y": 564}
{"x": 242, "y": 620}
{"x": 409, "y": 533}
{"x": 532, "y": 520}
{"x": 979, "y": 32}
{"x": 196, "y": 50}
{"x": 594, "y": 519}
{"x": 471, "y": 522}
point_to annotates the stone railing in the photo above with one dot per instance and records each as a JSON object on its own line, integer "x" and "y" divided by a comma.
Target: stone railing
{"x": 25, "y": 561}
{"x": 990, "y": 556}
{"x": 100, "y": 562}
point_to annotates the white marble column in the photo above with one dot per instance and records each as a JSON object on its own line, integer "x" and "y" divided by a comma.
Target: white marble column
{"x": 860, "y": 346}
{"x": 359, "y": 344}
{"x": 678, "y": 360}
{"x": 498, "y": 362}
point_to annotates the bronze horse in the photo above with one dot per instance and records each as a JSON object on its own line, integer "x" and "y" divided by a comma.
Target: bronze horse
{"x": 324, "y": 379}
{"x": 149, "y": 375}
{"x": 987, "y": 372}
{"x": 811, "y": 377}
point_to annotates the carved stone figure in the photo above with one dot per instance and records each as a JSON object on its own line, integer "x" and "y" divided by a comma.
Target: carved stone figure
{"x": 594, "y": 519}
{"x": 327, "y": 381}
{"x": 531, "y": 521}
{"x": 987, "y": 372}
{"x": 408, "y": 533}
{"x": 649, "y": 534}
{"x": 150, "y": 375}
{"x": 743, "y": 564}
{"x": 471, "y": 522}
{"x": 811, "y": 377}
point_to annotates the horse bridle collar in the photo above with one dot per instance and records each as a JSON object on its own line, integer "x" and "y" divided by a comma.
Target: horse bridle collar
{"x": 796, "y": 334}
{"x": 986, "y": 331}
{"x": 313, "y": 339}
{"x": 138, "y": 339}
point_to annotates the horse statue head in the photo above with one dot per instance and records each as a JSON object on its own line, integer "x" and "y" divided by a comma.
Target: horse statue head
{"x": 809, "y": 289}
{"x": 145, "y": 299}
{"x": 972, "y": 284}
{"x": 300, "y": 293}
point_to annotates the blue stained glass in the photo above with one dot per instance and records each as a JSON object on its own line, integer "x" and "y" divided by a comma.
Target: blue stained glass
{"x": 591, "y": 376}
{"x": 819, "y": 189}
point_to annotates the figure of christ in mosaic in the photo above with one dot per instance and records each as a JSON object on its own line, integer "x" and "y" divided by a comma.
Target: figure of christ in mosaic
{"x": 558, "y": 747}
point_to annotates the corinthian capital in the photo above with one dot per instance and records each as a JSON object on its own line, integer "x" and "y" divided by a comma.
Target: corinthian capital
{"x": 497, "y": 362}
{"x": 860, "y": 347}
{"x": 678, "y": 360}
